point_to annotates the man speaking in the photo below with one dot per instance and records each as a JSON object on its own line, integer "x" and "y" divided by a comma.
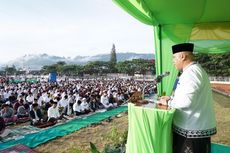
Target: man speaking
{"x": 194, "y": 119}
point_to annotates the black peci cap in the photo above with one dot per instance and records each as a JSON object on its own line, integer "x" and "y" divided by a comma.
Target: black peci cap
{"x": 182, "y": 47}
{"x": 34, "y": 104}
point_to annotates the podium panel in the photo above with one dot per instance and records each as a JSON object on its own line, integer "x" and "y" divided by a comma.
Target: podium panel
{"x": 150, "y": 130}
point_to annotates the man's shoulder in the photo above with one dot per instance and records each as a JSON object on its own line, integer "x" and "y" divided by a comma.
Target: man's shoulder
{"x": 196, "y": 68}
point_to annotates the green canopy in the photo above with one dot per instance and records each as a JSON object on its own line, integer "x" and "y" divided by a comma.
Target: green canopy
{"x": 206, "y": 23}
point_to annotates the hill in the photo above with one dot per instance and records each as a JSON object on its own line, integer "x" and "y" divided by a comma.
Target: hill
{"x": 34, "y": 62}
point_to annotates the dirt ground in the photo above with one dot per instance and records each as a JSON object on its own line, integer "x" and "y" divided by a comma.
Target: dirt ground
{"x": 98, "y": 134}
{"x": 79, "y": 141}
{"x": 222, "y": 87}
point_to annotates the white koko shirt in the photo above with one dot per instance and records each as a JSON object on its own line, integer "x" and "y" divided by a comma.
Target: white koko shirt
{"x": 194, "y": 116}
{"x": 53, "y": 112}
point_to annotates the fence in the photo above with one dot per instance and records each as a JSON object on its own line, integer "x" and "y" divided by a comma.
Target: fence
{"x": 219, "y": 78}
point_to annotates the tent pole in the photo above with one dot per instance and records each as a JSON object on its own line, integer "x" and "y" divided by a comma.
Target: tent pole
{"x": 158, "y": 55}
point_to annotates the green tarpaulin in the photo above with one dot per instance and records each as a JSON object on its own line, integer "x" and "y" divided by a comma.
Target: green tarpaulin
{"x": 35, "y": 139}
{"x": 219, "y": 148}
{"x": 206, "y": 23}
{"x": 28, "y": 80}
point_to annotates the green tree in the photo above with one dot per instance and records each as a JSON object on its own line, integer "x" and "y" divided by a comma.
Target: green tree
{"x": 140, "y": 66}
{"x": 79, "y": 70}
{"x": 113, "y": 59}
{"x": 60, "y": 65}
{"x": 96, "y": 67}
{"x": 215, "y": 64}
{"x": 126, "y": 67}
{"x": 68, "y": 70}
{"x": 46, "y": 69}
{"x": 10, "y": 70}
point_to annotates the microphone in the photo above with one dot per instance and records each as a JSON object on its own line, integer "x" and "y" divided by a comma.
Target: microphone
{"x": 159, "y": 77}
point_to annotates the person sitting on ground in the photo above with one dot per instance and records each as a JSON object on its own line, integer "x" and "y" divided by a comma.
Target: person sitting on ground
{"x": 53, "y": 113}
{"x": 98, "y": 103}
{"x": 77, "y": 108}
{"x": 71, "y": 100}
{"x": 93, "y": 105}
{"x": 3, "y": 131}
{"x": 36, "y": 115}
{"x": 120, "y": 98}
{"x": 47, "y": 105}
{"x": 13, "y": 96}
{"x": 112, "y": 100}
{"x": 85, "y": 106}
{"x": 22, "y": 112}
{"x": 30, "y": 98}
{"x": 8, "y": 114}
{"x": 105, "y": 101}
{"x": 35, "y": 101}
{"x": 16, "y": 105}
{"x": 63, "y": 105}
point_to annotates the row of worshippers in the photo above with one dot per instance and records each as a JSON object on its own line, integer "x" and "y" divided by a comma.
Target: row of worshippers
{"x": 53, "y": 110}
{"x": 73, "y": 97}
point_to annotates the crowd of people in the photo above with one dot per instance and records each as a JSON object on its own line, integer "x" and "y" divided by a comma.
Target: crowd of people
{"x": 49, "y": 102}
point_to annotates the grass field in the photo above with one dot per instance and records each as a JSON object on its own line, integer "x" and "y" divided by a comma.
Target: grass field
{"x": 222, "y": 109}
{"x": 103, "y": 133}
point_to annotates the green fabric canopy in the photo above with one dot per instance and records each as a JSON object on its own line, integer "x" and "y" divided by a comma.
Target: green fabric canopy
{"x": 206, "y": 23}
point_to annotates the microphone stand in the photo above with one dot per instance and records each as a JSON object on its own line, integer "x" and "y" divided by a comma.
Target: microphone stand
{"x": 154, "y": 86}
{"x": 155, "y": 82}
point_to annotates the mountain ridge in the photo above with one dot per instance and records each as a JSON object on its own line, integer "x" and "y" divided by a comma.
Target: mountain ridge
{"x": 36, "y": 61}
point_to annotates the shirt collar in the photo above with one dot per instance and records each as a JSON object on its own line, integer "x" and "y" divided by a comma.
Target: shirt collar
{"x": 188, "y": 66}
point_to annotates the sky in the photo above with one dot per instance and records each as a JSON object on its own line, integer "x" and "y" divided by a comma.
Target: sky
{"x": 69, "y": 28}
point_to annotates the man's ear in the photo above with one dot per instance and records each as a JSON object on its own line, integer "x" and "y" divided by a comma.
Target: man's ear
{"x": 183, "y": 57}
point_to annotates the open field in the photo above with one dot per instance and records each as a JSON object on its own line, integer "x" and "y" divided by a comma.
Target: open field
{"x": 101, "y": 134}
{"x": 98, "y": 134}
{"x": 222, "y": 109}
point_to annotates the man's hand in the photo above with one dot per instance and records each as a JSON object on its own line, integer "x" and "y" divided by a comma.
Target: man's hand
{"x": 164, "y": 100}
{"x": 167, "y": 98}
